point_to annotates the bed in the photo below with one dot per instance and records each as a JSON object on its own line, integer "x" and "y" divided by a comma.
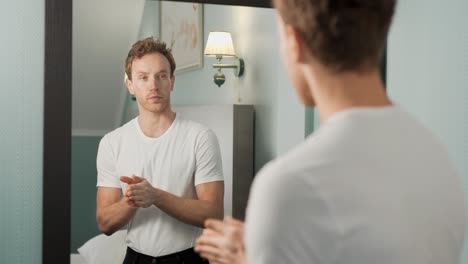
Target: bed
{"x": 102, "y": 249}
{"x": 76, "y": 258}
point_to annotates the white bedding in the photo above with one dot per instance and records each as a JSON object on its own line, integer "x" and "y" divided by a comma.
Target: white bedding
{"x": 102, "y": 249}
{"x": 77, "y": 259}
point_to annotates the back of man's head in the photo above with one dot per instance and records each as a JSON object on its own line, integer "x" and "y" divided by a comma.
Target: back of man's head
{"x": 344, "y": 35}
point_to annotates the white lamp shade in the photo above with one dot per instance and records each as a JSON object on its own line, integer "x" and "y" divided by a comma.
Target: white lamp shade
{"x": 219, "y": 44}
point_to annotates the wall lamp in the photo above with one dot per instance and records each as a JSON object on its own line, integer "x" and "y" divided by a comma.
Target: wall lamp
{"x": 219, "y": 45}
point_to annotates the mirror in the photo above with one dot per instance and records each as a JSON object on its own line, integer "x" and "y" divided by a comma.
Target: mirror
{"x": 101, "y": 103}
{"x": 101, "y": 74}
{"x": 57, "y": 127}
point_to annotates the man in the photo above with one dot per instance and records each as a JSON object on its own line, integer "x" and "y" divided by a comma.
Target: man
{"x": 372, "y": 185}
{"x": 159, "y": 174}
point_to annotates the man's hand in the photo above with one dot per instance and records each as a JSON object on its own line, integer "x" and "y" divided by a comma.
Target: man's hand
{"x": 222, "y": 242}
{"x": 139, "y": 191}
{"x": 129, "y": 202}
{"x": 131, "y": 180}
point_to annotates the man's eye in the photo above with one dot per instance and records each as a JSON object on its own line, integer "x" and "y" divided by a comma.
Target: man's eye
{"x": 163, "y": 77}
{"x": 144, "y": 78}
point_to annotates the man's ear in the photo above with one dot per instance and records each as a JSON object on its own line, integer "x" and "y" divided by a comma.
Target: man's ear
{"x": 173, "y": 82}
{"x": 296, "y": 44}
{"x": 129, "y": 85}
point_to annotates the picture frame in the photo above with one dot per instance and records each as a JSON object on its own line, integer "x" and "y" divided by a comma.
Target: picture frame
{"x": 182, "y": 31}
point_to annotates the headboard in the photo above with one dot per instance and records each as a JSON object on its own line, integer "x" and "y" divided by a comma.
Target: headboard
{"x": 234, "y": 128}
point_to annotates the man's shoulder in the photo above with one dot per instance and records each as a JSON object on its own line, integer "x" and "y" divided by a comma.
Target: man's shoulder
{"x": 313, "y": 153}
{"x": 296, "y": 166}
{"x": 120, "y": 131}
{"x": 192, "y": 127}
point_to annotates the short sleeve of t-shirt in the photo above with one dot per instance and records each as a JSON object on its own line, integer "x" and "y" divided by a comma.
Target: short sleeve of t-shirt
{"x": 298, "y": 221}
{"x": 208, "y": 167}
{"x": 106, "y": 165}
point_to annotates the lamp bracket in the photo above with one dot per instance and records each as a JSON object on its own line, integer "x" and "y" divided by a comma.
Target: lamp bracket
{"x": 239, "y": 66}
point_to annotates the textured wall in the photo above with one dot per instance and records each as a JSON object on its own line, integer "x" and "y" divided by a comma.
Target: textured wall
{"x": 21, "y": 105}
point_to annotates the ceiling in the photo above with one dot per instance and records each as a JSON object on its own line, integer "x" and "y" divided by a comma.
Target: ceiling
{"x": 103, "y": 32}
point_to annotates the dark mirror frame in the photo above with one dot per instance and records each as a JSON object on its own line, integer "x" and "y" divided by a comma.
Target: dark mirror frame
{"x": 57, "y": 125}
{"x": 254, "y": 3}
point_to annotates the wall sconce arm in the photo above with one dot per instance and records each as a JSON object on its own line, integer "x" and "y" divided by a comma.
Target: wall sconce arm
{"x": 239, "y": 66}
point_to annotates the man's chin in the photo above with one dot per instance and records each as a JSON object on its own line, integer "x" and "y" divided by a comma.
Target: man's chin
{"x": 156, "y": 108}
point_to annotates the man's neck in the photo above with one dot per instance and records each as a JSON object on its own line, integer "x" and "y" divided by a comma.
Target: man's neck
{"x": 337, "y": 92}
{"x": 155, "y": 124}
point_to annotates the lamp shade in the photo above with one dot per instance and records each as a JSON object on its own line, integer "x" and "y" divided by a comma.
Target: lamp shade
{"x": 219, "y": 44}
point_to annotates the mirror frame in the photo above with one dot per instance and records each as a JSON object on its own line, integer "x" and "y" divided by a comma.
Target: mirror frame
{"x": 57, "y": 132}
{"x": 56, "y": 214}
{"x": 254, "y": 3}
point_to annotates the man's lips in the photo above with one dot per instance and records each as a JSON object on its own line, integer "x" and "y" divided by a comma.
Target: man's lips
{"x": 155, "y": 97}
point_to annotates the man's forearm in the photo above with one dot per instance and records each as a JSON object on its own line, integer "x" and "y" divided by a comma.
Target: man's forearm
{"x": 190, "y": 211}
{"x": 113, "y": 217}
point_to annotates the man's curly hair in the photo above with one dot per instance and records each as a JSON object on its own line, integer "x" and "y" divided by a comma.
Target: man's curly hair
{"x": 148, "y": 46}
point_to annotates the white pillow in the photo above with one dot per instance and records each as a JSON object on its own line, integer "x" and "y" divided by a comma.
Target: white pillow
{"x": 104, "y": 249}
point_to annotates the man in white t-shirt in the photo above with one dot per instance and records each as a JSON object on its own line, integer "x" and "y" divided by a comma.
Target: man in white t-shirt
{"x": 159, "y": 174}
{"x": 371, "y": 185}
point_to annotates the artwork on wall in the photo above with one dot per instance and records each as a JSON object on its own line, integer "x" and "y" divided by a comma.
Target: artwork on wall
{"x": 181, "y": 27}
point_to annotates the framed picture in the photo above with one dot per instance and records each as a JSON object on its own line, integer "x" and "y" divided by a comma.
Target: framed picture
{"x": 181, "y": 27}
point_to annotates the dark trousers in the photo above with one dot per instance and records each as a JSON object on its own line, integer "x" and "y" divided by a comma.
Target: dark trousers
{"x": 187, "y": 256}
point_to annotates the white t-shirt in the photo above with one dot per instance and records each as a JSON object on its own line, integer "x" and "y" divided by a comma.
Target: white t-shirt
{"x": 187, "y": 154}
{"x": 370, "y": 186}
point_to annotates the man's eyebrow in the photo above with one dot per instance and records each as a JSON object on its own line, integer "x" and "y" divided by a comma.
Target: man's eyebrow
{"x": 146, "y": 73}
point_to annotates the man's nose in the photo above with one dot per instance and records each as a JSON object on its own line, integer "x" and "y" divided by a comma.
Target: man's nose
{"x": 154, "y": 85}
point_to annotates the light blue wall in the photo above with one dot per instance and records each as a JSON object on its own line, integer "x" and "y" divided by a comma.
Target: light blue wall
{"x": 83, "y": 202}
{"x": 279, "y": 116}
{"x": 21, "y": 105}
{"x": 428, "y": 72}
{"x": 309, "y": 121}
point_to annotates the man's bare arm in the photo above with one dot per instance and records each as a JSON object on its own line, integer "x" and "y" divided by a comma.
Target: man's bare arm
{"x": 113, "y": 211}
